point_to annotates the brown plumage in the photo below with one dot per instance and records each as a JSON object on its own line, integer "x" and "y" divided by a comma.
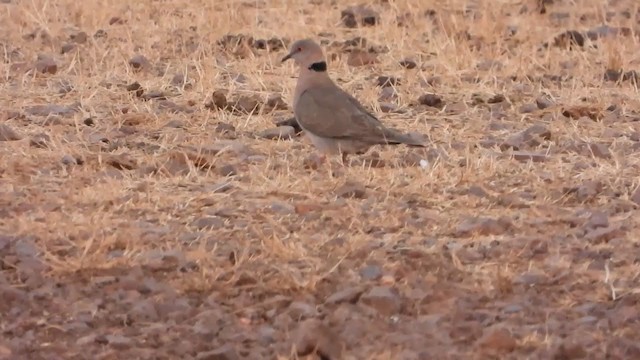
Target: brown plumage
{"x": 334, "y": 121}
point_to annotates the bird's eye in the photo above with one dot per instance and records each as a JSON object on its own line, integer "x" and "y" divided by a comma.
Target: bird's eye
{"x": 299, "y": 49}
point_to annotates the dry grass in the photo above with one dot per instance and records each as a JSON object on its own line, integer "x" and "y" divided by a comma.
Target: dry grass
{"x": 280, "y": 233}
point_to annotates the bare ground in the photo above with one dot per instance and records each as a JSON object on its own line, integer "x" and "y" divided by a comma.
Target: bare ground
{"x": 144, "y": 216}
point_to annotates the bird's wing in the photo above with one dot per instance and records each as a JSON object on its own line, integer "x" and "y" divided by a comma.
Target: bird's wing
{"x": 331, "y": 113}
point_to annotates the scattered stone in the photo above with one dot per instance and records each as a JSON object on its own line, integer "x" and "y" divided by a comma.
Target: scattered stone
{"x": 139, "y": 62}
{"x": 497, "y": 98}
{"x": 599, "y": 150}
{"x": 408, "y": 64}
{"x": 275, "y": 102}
{"x": 69, "y": 160}
{"x": 8, "y": 134}
{"x": 621, "y": 75}
{"x": 431, "y": 100}
{"x": 218, "y": 101}
{"x": 119, "y": 342}
{"x": 227, "y": 170}
{"x": 291, "y": 122}
{"x": 278, "y": 133}
{"x": 526, "y": 156}
{"x": 635, "y": 197}
{"x": 135, "y": 119}
{"x": 45, "y": 64}
{"x": 350, "y": 295}
{"x": 528, "y": 108}
{"x": 80, "y": 37}
{"x": 577, "y": 112}
{"x": 116, "y": 20}
{"x": 361, "y": 58}
{"x": 50, "y": 109}
{"x": 121, "y": 161}
{"x": 384, "y": 81}
{"x": 388, "y": 94}
{"x": 543, "y": 102}
{"x": 209, "y": 222}
{"x": 570, "y": 39}
{"x": 246, "y": 104}
{"x": 225, "y": 352}
{"x": 67, "y": 48}
{"x": 568, "y": 351}
{"x": 359, "y": 15}
{"x": 312, "y": 336}
{"x": 386, "y": 107}
{"x": 604, "y": 234}
{"x": 351, "y": 190}
{"x": 299, "y": 310}
{"x": 384, "y": 299}
{"x": 498, "y": 341}
{"x": 598, "y": 219}
{"x": 135, "y": 87}
{"x": 40, "y": 141}
{"x": 483, "y": 226}
{"x": 154, "y": 94}
{"x": 371, "y": 272}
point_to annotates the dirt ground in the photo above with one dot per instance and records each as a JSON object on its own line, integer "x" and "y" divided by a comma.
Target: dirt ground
{"x": 152, "y": 208}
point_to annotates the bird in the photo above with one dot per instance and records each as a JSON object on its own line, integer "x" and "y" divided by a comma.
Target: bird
{"x": 333, "y": 120}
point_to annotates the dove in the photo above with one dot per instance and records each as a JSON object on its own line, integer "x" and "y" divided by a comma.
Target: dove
{"x": 334, "y": 121}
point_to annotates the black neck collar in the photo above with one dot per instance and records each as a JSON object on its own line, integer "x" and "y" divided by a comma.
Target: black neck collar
{"x": 318, "y": 67}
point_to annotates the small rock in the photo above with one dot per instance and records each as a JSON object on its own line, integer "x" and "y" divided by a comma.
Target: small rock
{"x": 577, "y": 112}
{"x": 224, "y": 128}
{"x": 350, "y": 295}
{"x": 543, "y": 102}
{"x": 119, "y": 342}
{"x": 528, "y": 108}
{"x": 225, "y": 352}
{"x": 604, "y": 234}
{"x": 291, "y": 122}
{"x": 600, "y": 150}
{"x": 431, "y": 100}
{"x": 635, "y": 197}
{"x": 371, "y": 272}
{"x": 567, "y": 351}
{"x": 143, "y": 311}
{"x": 227, "y": 170}
{"x": 50, "y": 109}
{"x": 361, "y": 58}
{"x": 386, "y": 107}
{"x": 359, "y": 15}
{"x": 179, "y": 80}
{"x": 139, "y": 62}
{"x": 275, "y": 102}
{"x": 384, "y": 299}
{"x": 68, "y": 160}
{"x": 497, "y": 98}
{"x": 8, "y": 134}
{"x": 408, "y": 64}
{"x": 598, "y": 219}
{"x": 209, "y": 222}
{"x": 278, "y": 133}
{"x": 525, "y": 156}
{"x": 299, "y": 310}
{"x": 80, "y": 37}
{"x": 116, "y": 20}
{"x": 312, "y": 336}
{"x": 40, "y": 141}
{"x": 121, "y": 161}
{"x": 483, "y": 226}
{"x": 351, "y": 190}
{"x": 45, "y": 64}
{"x": 245, "y": 104}
{"x": 498, "y": 340}
{"x": 384, "y": 81}
{"x": 67, "y": 48}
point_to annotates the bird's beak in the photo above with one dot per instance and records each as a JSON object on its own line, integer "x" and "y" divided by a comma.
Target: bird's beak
{"x": 287, "y": 57}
